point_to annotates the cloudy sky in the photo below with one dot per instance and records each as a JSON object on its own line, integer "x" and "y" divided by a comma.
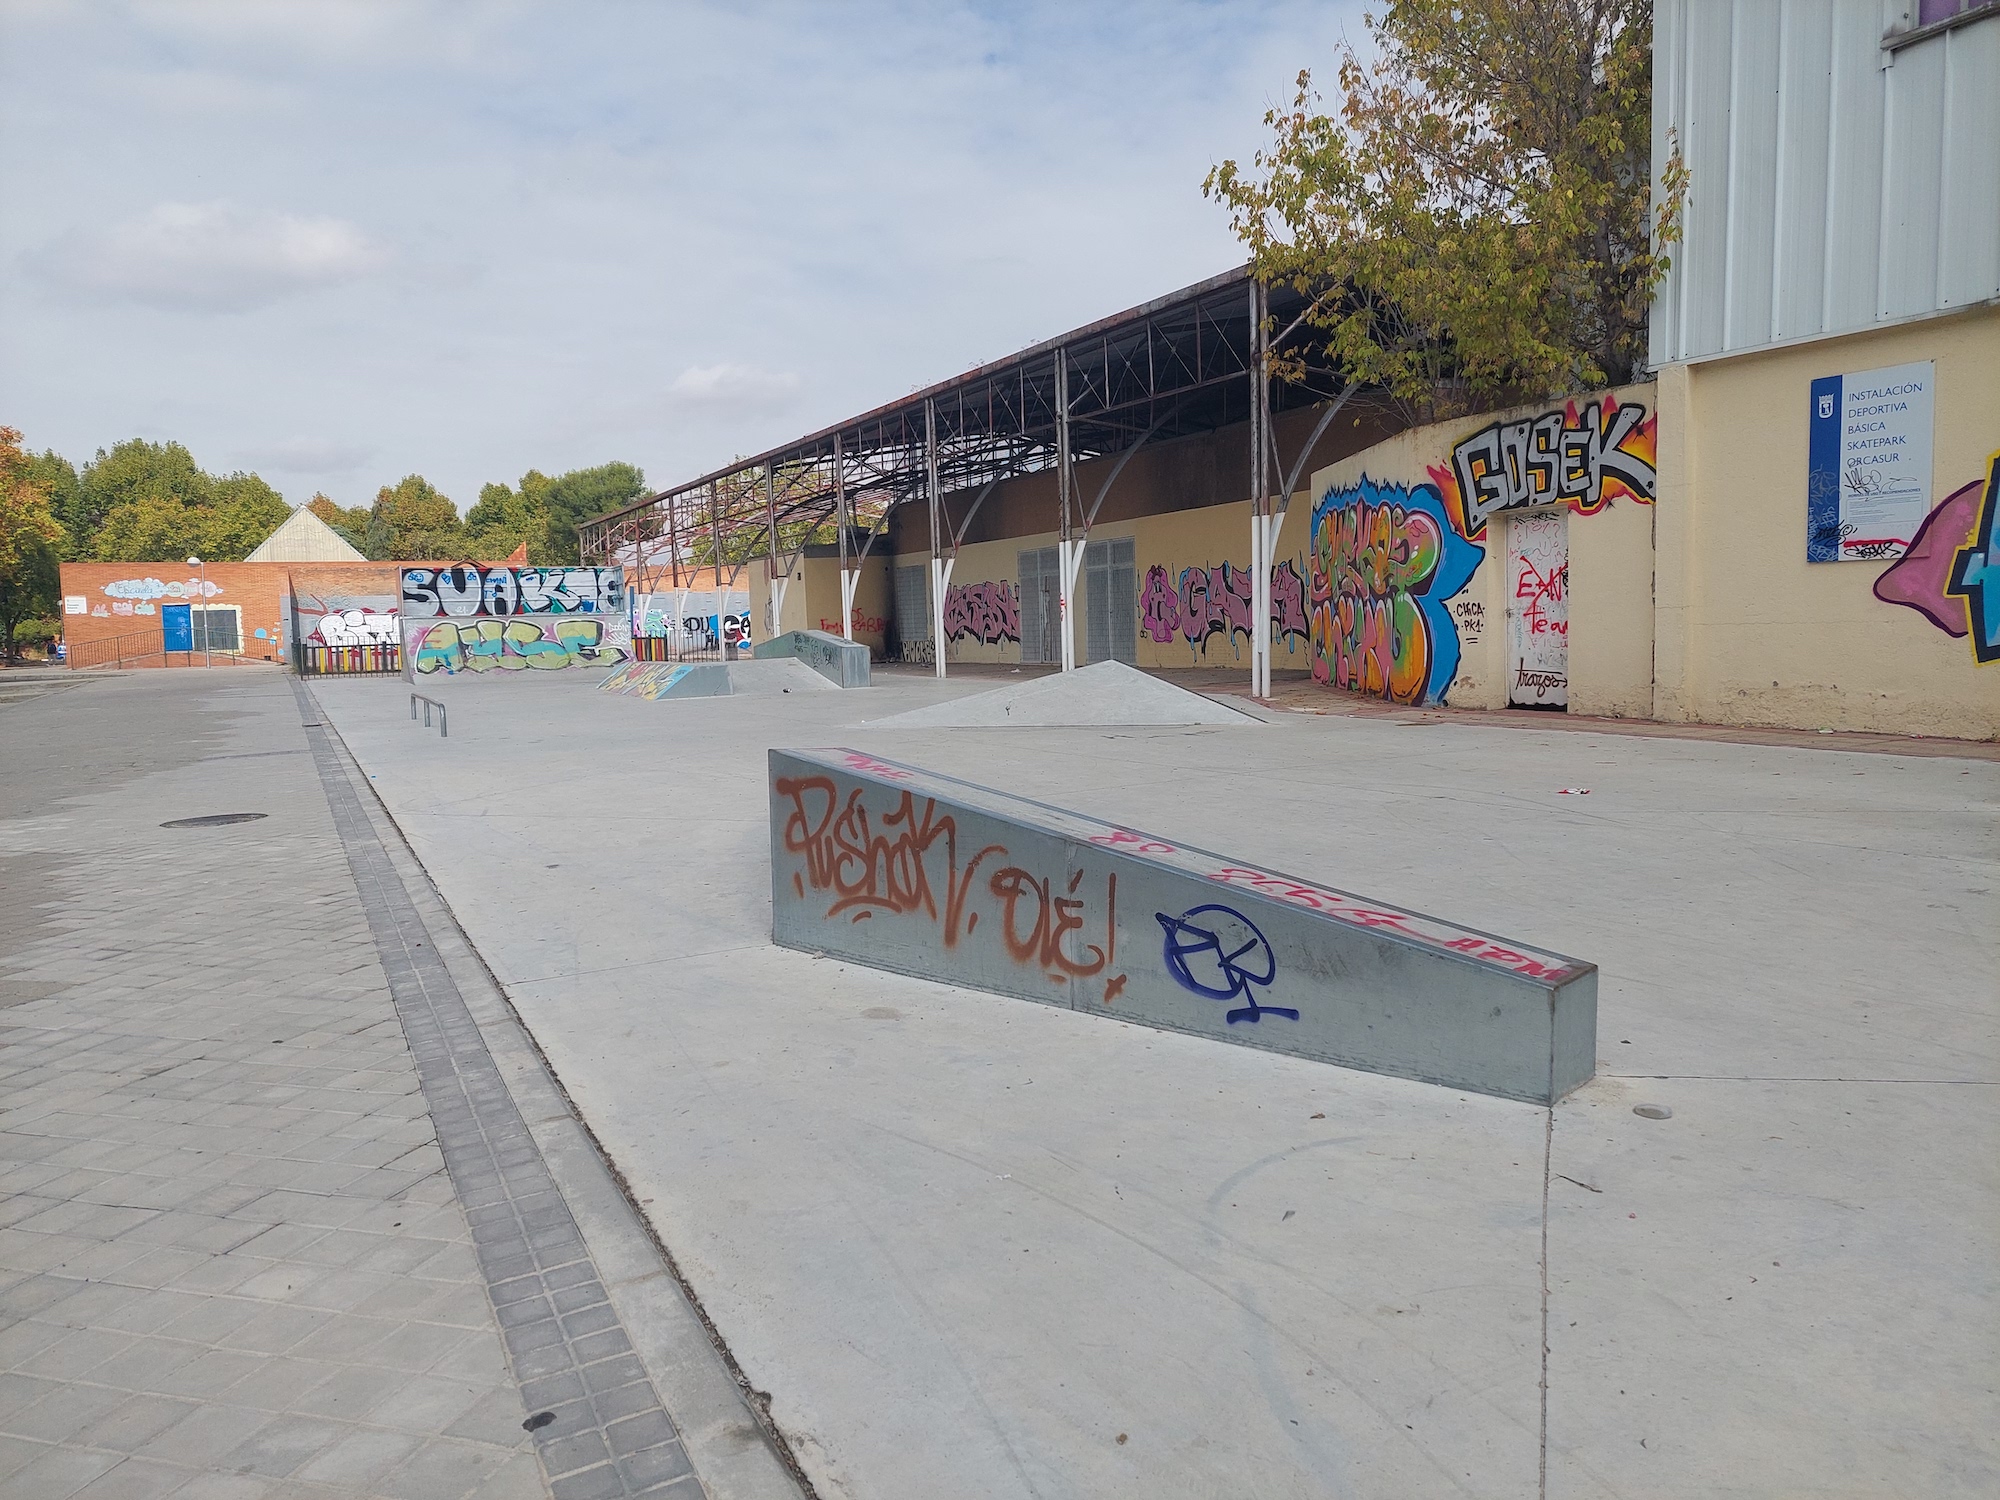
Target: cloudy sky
{"x": 342, "y": 242}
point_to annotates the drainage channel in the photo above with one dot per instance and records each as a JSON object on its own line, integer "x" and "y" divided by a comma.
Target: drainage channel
{"x": 600, "y": 1428}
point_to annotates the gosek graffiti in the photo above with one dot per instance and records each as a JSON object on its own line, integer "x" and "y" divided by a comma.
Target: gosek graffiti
{"x": 1579, "y": 459}
{"x": 1385, "y": 563}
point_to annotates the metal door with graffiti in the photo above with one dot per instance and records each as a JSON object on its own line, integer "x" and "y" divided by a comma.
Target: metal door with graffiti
{"x": 1041, "y": 606}
{"x": 1538, "y": 610}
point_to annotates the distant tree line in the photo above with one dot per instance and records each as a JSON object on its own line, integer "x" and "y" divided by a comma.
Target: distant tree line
{"x": 150, "y": 502}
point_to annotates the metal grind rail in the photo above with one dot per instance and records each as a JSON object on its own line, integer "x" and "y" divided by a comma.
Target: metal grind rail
{"x": 444, "y": 731}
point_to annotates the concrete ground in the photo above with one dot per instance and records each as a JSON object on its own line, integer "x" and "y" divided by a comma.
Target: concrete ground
{"x": 288, "y": 1208}
{"x": 972, "y": 1246}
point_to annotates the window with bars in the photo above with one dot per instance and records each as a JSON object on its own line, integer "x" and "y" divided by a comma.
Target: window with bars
{"x": 216, "y": 628}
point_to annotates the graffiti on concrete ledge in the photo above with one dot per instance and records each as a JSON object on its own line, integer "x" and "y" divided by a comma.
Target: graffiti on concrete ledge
{"x": 453, "y": 646}
{"x": 902, "y": 858}
{"x": 1218, "y": 953}
{"x": 1951, "y": 572}
{"x": 1385, "y": 565}
{"x": 1579, "y": 459}
{"x": 987, "y": 612}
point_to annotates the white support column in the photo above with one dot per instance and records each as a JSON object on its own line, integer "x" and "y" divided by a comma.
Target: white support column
{"x": 935, "y": 494}
{"x": 1257, "y": 553}
{"x": 1069, "y": 562}
{"x": 1274, "y": 526}
{"x": 842, "y": 523}
{"x": 940, "y": 587}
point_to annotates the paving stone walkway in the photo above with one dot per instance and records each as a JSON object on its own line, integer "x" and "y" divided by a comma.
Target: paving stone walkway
{"x": 233, "y": 1263}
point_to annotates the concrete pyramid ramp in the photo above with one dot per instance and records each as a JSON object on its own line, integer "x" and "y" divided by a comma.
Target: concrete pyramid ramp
{"x": 781, "y": 674}
{"x": 1104, "y": 693}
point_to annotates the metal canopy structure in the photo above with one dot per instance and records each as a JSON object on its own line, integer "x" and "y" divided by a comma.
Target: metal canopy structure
{"x": 1191, "y": 362}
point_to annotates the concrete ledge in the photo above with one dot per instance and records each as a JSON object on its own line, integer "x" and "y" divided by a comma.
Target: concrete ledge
{"x": 907, "y": 870}
{"x": 840, "y": 661}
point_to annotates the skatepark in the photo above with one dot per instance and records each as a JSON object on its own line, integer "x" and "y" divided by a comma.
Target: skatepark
{"x": 967, "y": 1244}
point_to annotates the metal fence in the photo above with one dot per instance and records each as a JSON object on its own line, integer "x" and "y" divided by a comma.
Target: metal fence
{"x": 146, "y": 648}
{"x": 687, "y": 644}
{"x": 378, "y": 660}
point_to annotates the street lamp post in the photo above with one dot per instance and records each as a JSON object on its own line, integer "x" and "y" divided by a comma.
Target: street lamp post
{"x": 195, "y": 562}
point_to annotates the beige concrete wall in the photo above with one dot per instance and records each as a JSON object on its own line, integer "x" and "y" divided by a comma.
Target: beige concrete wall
{"x": 1754, "y": 634}
{"x": 812, "y": 600}
{"x": 1610, "y": 577}
{"x": 1179, "y": 558}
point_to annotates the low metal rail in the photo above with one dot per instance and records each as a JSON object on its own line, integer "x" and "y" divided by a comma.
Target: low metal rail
{"x": 429, "y": 704}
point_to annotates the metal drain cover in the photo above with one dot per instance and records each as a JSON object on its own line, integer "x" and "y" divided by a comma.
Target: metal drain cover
{"x": 215, "y": 820}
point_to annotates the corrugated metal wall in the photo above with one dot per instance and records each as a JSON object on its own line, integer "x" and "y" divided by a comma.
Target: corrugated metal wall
{"x": 1827, "y": 192}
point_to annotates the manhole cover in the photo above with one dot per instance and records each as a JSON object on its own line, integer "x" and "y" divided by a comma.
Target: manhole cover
{"x": 1652, "y": 1111}
{"x": 215, "y": 820}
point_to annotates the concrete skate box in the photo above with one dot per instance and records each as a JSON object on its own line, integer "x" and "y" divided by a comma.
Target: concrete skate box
{"x": 908, "y": 870}
{"x": 842, "y": 662}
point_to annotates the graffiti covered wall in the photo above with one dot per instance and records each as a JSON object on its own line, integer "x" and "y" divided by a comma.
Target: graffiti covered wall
{"x": 1409, "y": 583}
{"x": 467, "y": 617}
{"x": 1190, "y": 592}
{"x": 1385, "y": 565}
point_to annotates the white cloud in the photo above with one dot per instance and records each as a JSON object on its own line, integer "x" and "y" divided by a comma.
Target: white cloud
{"x": 613, "y": 236}
{"x": 733, "y": 387}
{"x": 209, "y": 257}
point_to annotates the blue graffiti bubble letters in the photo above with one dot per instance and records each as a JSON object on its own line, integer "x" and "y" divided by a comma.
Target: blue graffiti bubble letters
{"x": 1229, "y": 950}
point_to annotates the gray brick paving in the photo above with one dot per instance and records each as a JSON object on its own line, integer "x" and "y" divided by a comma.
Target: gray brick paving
{"x": 611, "y": 1437}
{"x": 233, "y": 1259}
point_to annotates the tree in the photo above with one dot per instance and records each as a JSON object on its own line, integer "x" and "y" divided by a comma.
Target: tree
{"x": 1478, "y": 220}
{"x": 545, "y": 512}
{"x": 56, "y": 477}
{"x": 150, "y": 502}
{"x": 349, "y": 521}
{"x": 30, "y": 543}
{"x": 412, "y": 522}
{"x": 583, "y": 493}
{"x": 152, "y": 528}
{"x": 243, "y": 512}
{"x": 505, "y": 519}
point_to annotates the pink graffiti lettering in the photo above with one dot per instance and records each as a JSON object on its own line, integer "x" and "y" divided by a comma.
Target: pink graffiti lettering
{"x": 1214, "y": 599}
{"x": 988, "y": 612}
{"x": 868, "y": 763}
{"x": 1159, "y": 606}
{"x": 1406, "y": 924}
{"x": 1540, "y": 592}
{"x": 1132, "y": 843}
{"x": 1288, "y": 602}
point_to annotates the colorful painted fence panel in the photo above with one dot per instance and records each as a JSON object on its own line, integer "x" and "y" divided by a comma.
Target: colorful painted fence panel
{"x": 902, "y": 869}
{"x": 454, "y": 646}
{"x": 513, "y": 619}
